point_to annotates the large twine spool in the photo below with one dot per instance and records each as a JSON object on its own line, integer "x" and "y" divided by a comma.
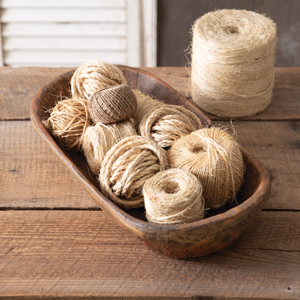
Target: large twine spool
{"x": 214, "y": 157}
{"x": 94, "y": 76}
{"x": 112, "y": 104}
{"x": 127, "y": 166}
{"x": 233, "y": 62}
{"x": 98, "y": 139}
{"x": 68, "y": 121}
{"x": 173, "y": 196}
{"x": 145, "y": 104}
{"x": 165, "y": 124}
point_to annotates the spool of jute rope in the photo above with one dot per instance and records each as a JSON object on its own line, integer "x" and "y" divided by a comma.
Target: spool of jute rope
{"x": 68, "y": 121}
{"x": 214, "y": 157}
{"x": 233, "y": 62}
{"x": 126, "y": 167}
{"x": 112, "y": 104}
{"x": 167, "y": 123}
{"x": 173, "y": 196}
{"x": 145, "y": 104}
{"x": 98, "y": 139}
{"x": 93, "y": 76}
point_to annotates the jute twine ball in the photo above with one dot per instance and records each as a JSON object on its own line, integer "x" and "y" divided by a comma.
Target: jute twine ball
{"x": 214, "y": 157}
{"x": 173, "y": 196}
{"x": 94, "y": 76}
{"x": 167, "y": 123}
{"x": 68, "y": 121}
{"x": 233, "y": 62}
{"x": 98, "y": 139}
{"x": 112, "y": 104}
{"x": 145, "y": 104}
{"x": 126, "y": 167}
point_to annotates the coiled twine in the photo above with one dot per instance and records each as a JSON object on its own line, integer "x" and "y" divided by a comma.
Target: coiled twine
{"x": 94, "y": 76}
{"x": 145, "y": 104}
{"x": 165, "y": 124}
{"x": 127, "y": 166}
{"x": 68, "y": 121}
{"x": 98, "y": 139}
{"x": 112, "y": 104}
{"x": 233, "y": 62}
{"x": 173, "y": 196}
{"x": 214, "y": 157}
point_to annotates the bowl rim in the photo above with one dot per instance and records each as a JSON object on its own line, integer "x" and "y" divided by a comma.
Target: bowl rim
{"x": 255, "y": 199}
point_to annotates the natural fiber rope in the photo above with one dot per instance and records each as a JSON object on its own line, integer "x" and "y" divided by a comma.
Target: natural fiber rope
{"x": 112, "y": 104}
{"x": 98, "y": 139}
{"x": 214, "y": 157}
{"x": 126, "y": 167}
{"x": 167, "y": 123}
{"x": 172, "y": 197}
{"x": 145, "y": 104}
{"x": 233, "y": 62}
{"x": 94, "y": 76}
{"x": 68, "y": 121}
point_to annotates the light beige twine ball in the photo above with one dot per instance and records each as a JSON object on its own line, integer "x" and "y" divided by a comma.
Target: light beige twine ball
{"x": 233, "y": 62}
{"x": 167, "y": 123}
{"x": 68, "y": 121}
{"x": 214, "y": 157}
{"x": 145, "y": 104}
{"x": 112, "y": 104}
{"x": 126, "y": 167}
{"x": 94, "y": 76}
{"x": 98, "y": 139}
{"x": 173, "y": 196}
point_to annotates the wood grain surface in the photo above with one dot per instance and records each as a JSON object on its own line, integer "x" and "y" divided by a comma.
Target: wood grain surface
{"x": 56, "y": 243}
{"x": 29, "y": 166}
{"x": 19, "y": 85}
{"x": 60, "y": 253}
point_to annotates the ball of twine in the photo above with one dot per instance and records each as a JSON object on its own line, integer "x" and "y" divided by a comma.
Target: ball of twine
{"x": 173, "y": 196}
{"x": 126, "y": 167}
{"x": 94, "y": 76}
{"x": 167, "y": 123}
{"x": 112, "y": 104}
{"x": 98, "y": 139}
{"x": 233, "y": 62}
{"x": 145, "y": 104}
{"x": 214, "y": 157}
{"x": 68, "y": 121}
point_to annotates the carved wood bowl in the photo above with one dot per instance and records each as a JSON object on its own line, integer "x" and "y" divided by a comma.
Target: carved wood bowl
{"x": 216, "y": 231}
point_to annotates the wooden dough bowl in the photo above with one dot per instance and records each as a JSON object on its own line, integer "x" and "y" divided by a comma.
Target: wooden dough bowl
{"x": 216, "y": 231}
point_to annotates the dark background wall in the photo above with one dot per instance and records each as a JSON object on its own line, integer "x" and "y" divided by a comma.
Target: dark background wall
{"x": 175, "y": 18}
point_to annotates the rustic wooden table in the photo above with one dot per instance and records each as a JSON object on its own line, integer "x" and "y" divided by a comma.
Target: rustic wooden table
{"x": 55, "y": 242}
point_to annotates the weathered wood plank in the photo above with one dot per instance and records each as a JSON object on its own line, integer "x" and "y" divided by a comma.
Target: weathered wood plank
{"x": 63, "y": 4}
{"x": 64, "y": 43}
{"x": 64, "y": 29}
{"x": 285, "y": 103}
{"x": 19, "y": 85}
{"x": 62, "y": 253}
{"x": 51, "y": 14}
{"x": 28, "y": 167}
{"x": 35, "y": 57}
{"x": 277, "y": 146}
{"x": 31, "y": 175}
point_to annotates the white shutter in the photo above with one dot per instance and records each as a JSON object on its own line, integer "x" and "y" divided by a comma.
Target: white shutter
{"x": 61, "y": 33}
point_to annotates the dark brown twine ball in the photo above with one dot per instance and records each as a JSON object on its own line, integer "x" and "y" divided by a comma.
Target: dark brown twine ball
{"x": 113, "y": 104}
